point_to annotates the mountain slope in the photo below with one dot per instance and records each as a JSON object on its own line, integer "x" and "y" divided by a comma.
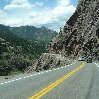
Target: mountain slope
{"x": 12, "y": 58}
{"x": 17, "y": 54}
{"x": 32, "y": 33}
{"x": 80, "y": 35}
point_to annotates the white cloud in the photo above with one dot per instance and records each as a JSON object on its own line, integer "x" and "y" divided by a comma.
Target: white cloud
{"x": 1, "y": 12}
{"x": 14, "y": 4}
{"x": 63, "y": 2}
{"x": 53, "y": 18}
{"x": 60, "y": 11}
{"x": 39, "y": 3}
{"x": 13, "y": 22}
{"x": 3, "y": 15}
{"x": 43, "y": 17}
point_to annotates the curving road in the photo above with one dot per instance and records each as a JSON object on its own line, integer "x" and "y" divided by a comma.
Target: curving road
{"x": 77, "y": 81}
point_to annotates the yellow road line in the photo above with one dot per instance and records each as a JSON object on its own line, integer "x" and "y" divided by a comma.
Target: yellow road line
{"x": 54, "y": 84}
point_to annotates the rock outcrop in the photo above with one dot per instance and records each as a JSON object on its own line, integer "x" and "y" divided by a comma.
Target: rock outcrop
{"x": 80, "y": 35}
{"x": 78, "y": 38}
{"x": 49, "y": 61}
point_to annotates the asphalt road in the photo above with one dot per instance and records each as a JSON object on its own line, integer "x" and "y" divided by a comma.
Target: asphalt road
{"x": 75, "y": 83}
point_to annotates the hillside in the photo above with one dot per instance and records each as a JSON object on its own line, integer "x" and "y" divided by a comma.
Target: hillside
{"x": 17, "y": 54}
{"x": 12, "y": 58}
{"x": 32, "y": 33}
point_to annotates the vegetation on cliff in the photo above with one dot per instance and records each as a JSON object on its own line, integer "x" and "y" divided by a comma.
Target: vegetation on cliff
{"x": 18, "y": 53}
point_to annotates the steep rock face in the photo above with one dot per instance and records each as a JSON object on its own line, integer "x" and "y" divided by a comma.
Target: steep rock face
{"x": 49, "y": 61}
{"x": 78, "y": 38}
{"x": 80, "y": 35}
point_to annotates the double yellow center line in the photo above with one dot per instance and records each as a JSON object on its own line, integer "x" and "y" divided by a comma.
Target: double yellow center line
{"x": 54, "y": 84}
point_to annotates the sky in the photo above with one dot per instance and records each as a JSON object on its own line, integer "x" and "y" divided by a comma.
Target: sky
{"x": 52, "y": 14}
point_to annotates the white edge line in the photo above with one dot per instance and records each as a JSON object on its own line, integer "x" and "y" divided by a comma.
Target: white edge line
{"x": 12, "y": 80}
{"x": 31, "y": 75}
{"x": 39, "y": 73}
{"x": 16, "y": 79}
{"x": 36, "y": 74}
{"x": 96, "y": 64}
{"x": 9, "y": 81}
{"x": 5, "y": 82}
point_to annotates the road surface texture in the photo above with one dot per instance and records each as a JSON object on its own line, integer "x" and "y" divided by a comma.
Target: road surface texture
{"x": 77, "y": 81}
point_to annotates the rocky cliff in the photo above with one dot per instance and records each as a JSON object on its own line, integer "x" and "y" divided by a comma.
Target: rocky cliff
{"x": 49, "y": 61}
{"x": 78, "y": 38}
{"x": 80, "y": 35}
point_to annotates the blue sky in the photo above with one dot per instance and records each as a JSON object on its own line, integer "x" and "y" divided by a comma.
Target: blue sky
{"x": 50, "y": 13}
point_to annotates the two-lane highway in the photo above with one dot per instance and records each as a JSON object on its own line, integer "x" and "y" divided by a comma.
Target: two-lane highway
{"x": 77, "y": 81}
